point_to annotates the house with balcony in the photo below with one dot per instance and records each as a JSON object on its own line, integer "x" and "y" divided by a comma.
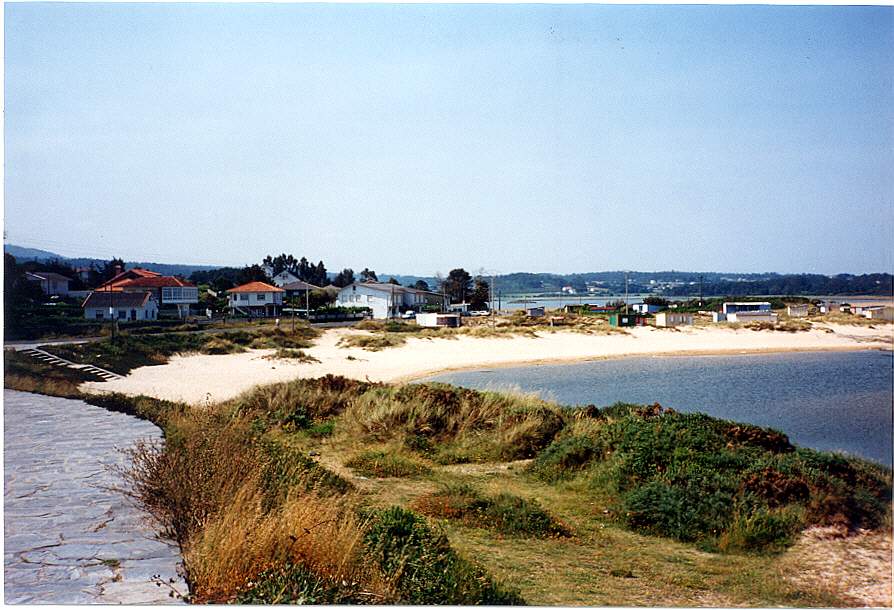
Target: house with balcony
{"x": 169, "y": 292}
{"x": 256, "y": 299}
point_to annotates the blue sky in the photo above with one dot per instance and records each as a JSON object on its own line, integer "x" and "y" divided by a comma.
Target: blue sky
{"x": 419, "y": 138}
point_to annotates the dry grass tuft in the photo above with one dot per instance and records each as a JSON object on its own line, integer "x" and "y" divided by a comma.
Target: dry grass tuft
{"x": 320, "y": 534}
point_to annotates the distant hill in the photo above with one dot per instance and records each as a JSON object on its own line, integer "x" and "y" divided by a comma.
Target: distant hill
{"x": 29, "y": 254}
{"x": 33, "y": 254}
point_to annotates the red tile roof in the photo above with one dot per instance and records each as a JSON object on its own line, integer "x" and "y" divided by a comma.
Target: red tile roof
{"x": 154, "y": 282}
{"x": 256, "y": 287}
{"x": 129, "y": 275}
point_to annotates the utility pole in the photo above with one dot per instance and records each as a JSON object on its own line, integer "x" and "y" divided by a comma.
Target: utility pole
{"x": 307, "y": 301}
{"x": 699, "y": 290}
{"x": 626, "y": 289}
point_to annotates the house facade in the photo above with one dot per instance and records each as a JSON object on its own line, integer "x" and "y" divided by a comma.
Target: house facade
{"x": 121, "y": 306}
{"x": 51, "y": 283}
{"x": 387, "y": 300}
{"x": 256, "y": 299}
{"x": 744, "y": 317}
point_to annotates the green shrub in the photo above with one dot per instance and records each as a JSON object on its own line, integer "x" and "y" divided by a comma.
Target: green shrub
{"x": 565, "y": 457}
{"x": 424, "y": 567}
{"x": 381, "y": 465}
{"x": 294, "y": 584}
{"x": 504, "y": 513}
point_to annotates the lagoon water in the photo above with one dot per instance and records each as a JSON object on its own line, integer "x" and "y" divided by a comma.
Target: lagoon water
{"x": 839, "y": 401}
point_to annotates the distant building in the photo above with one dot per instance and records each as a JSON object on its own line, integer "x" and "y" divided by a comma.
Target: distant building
{"x": 669, "y": 318}
{"x": 121, "y": 306}
{"x": 568, "y": 289}
{"x": 734, "y": 307}
{"x": 433, "y": 320}
{"x": 51, "y": 283}
{"x": 797, "y": 311}
{"x": 256, "y": 299}
{"x": 388, "y": 300}
{"x": 297, "y": 288}
{"x": 535, "y": 312}
{"x": 130, "y": 274}
{"x": 645, "y": 308}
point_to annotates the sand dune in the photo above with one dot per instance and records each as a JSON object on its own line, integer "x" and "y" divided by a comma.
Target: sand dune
{"x": 198, "y": 379}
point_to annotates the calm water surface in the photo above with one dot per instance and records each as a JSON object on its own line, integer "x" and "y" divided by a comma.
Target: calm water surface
{"x": 830, "y": 401}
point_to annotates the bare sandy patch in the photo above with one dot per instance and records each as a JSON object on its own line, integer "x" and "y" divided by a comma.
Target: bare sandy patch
{"x": 856, "y": 568}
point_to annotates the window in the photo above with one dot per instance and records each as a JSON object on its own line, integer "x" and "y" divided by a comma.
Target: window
{"x": 122, "y": 314}
{"x": 99, "y": 315}
{"x": 243, "y": 297}
{"x": 262, "y": 296}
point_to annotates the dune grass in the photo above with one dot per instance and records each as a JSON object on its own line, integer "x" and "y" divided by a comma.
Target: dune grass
{"x": 126, "y": 352}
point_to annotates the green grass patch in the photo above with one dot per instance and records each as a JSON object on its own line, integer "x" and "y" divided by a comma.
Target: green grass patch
{"x": 425, "y": 569}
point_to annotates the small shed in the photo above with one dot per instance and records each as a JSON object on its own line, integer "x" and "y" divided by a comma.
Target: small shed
{"x": 797, "y": 311}
{"x": 879, "y": 313}
{"x": 646, "y": 308}
{"x": 744, "y": 317}
{"x": 666, "y": 319}
{"x": 535, "y": 312}
{"x": 626, "y": 319}
{"x": 434, "y": 320}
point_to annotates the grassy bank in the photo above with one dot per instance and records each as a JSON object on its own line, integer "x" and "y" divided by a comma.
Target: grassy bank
{"x": 332, "y": 490}
{"x": 129, "y": 351}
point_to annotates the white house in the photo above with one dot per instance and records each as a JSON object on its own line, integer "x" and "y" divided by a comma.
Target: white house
{"x": 285, "y": 277}
{"x": 51, "y": 283}
{"x": 387, "y": 300}
{"x": 672, "y": 318}
{"x": 256, "y": 299}
{"x": 123, "y": 306}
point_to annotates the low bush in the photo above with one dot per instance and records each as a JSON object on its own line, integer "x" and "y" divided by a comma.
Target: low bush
{"x": 424, "y": 569}
{"x": 722, "y": 484}
{"x": 380, "y": 465}
{"x": 504, "y": 513}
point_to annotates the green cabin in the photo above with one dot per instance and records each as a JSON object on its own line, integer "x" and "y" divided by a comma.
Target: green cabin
{"x": 625, "y": 319}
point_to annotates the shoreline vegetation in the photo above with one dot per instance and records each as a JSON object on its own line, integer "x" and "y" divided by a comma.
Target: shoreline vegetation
{"x": 333, "y": 490}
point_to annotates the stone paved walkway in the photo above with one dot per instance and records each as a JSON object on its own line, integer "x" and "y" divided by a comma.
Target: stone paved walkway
{"x": 69, "y": 539}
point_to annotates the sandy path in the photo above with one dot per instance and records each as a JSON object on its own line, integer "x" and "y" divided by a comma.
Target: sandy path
{"x": 199, "y": 378}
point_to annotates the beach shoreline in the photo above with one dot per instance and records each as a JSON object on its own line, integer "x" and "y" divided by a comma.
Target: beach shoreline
{"x": 611, "y": 357}
{"x": 202, "y": 379}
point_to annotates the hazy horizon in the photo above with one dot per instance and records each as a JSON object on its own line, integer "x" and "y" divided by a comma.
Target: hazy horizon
{"x": 412, "y": 139}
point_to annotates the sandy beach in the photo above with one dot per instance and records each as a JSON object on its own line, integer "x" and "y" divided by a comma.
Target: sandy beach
{"x": 200, "y": 379}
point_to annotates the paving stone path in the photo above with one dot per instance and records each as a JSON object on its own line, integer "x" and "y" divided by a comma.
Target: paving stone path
{"x": 69, "y": 537}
